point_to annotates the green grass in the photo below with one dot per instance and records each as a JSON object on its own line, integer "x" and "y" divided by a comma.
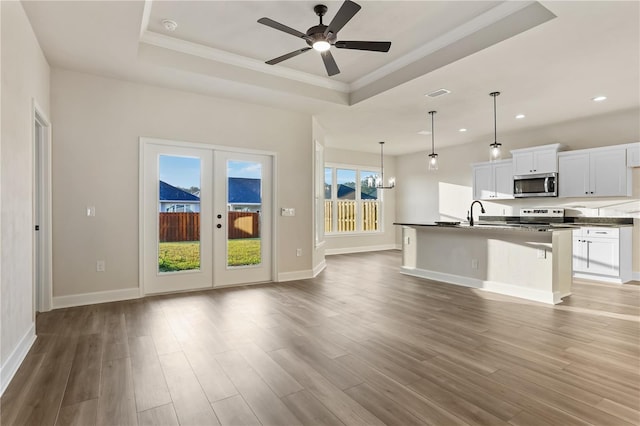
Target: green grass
{"x": 244, "y": 251}
{"x": 185, "y": 256}
{"x": 182, "y": 256}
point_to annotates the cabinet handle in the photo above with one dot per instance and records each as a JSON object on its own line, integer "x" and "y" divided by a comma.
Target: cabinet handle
{"x": 591, "y": 192}
{"x": 587, "y": 192}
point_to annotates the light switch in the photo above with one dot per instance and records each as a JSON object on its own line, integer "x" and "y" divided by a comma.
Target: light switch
{"x": 91, "y": 211}
{"x": 288, "y": 211}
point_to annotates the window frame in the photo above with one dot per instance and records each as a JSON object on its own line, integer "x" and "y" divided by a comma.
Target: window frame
{"x": 358, "y": 199}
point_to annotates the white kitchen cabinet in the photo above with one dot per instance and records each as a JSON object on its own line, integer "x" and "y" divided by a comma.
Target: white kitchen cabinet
{"x": 633, "y": 155}
{"x": 599, "y": 172}
{"x": 602, "y": 254}
{"x": 534, "y": 160}
{"x": 493, "y": 180}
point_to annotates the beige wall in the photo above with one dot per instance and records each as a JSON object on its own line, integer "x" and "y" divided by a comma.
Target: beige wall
{"x": 25, "y": 77}
{"x": 446, "y": 194}
{"x": 387, "y": 238}
{"x": 96, "y": 125}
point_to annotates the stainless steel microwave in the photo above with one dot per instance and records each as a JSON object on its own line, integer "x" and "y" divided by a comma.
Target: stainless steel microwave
{"x": 535, "y": 185}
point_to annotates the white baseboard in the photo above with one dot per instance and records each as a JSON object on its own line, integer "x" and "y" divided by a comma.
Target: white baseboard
{"x": 13, "y": 362}
{"x": 492, "y": 286}
{"x": 319, "y": 268}
{"x": 295, "y": 275}
{"x": 363, "y": 249}
{"x": 95, "y": 297}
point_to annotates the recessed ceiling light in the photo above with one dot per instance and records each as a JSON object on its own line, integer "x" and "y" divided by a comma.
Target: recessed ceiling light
{"x": 519, "y": 116}
{"x": 599, "y": 98}
{"x": 424, "y": 132}
{"x": 169, "y": 25}
{"x": 462, "y": 130}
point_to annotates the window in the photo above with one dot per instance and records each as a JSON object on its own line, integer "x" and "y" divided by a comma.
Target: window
{"x": 352, "y": 203}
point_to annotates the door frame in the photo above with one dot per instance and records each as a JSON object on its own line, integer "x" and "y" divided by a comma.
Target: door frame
{"x": 41, "y": 160}
{"x": 143, "y": 141}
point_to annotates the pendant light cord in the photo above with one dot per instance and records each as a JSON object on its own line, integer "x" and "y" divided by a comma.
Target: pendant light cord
{"x": 381, "y": 163}
{"x": 495, "y": 118}
{"x": 432, "y": 133}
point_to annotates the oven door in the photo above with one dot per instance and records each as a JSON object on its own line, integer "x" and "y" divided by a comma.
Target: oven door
{"x": 539, "y": 185}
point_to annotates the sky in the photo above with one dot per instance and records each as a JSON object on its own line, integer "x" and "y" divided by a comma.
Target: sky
{"x": 184, "y": 172}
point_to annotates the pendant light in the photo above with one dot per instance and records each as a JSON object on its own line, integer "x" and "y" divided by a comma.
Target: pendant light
{"x": 379, "y": 182}
{"x": 494, "y": 148}
{"x": 433, "y": 157}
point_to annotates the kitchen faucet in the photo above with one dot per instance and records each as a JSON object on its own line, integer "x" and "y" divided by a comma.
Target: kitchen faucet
{"x": 470, "y": 213}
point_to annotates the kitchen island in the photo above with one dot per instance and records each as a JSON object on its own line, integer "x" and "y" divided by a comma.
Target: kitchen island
{"x": 533, "y": 263}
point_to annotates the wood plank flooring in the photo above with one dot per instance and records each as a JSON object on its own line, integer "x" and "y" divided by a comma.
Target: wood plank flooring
{"x": 360, "y": 344}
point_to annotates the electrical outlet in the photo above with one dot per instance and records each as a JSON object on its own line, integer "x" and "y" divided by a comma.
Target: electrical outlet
{"x": 299, "y": 252}
{"x": 100, "y": 266}
{"x": 542, "y": 254}
{"x": 474, "y": 263}
{"x": 91, "y": 211}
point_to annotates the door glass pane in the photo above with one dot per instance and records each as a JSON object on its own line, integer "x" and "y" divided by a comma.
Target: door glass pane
{"x": 179, "y": 214}
{"x": 244, "y": 204}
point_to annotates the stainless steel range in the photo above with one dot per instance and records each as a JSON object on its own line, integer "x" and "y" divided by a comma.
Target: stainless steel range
{"x": 541, "y": 215}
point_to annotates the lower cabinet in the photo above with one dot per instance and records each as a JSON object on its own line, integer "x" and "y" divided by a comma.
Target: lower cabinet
{"x": 602, "y": 254}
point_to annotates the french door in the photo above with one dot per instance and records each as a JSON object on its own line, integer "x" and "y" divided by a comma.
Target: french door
{"x": 206, "y": 216}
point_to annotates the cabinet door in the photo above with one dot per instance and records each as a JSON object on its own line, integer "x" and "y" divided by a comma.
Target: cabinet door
{"x": 503, "y": 179}
{"x": 523, "y": 163}
{"x": 603, "y": 256}
{"x": 483, "y": 188}
{"x": 608, "y": 173}
{"x": 545, "y": 161}
{"x": 579, "y": 254}
{"x": 573, "y": 175}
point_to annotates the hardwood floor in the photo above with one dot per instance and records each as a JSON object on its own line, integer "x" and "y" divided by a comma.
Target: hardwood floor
{"x": 359, "y": 345}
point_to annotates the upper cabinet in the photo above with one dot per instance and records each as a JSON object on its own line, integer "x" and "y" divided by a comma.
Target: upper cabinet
{"x": 633, "y": 155}
{"x": 493, "y": 180}
{"x": 598, "y": 172}
{"x": 540, "y": 159}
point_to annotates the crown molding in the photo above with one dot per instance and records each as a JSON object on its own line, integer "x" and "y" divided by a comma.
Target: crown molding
{"x": 476, "y": 24}
{"x": 206, "y": 52}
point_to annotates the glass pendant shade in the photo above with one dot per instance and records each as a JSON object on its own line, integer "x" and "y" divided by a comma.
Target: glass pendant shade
{"x": 495, "y": 153}
{"x": 433, "y": 162}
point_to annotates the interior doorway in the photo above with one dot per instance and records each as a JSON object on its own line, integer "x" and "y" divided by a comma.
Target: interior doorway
{"x": 42, "y": 233}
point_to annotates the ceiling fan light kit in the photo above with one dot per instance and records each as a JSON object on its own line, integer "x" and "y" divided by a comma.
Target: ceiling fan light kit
{"x": 321, "y": 37}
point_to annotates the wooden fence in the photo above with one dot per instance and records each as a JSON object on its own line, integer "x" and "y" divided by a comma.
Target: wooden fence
{"x": 346, "y": 216}
{"x": 174, "y": 227}
{"x": 243, "y": 225}
{"x": 179, "y": 227}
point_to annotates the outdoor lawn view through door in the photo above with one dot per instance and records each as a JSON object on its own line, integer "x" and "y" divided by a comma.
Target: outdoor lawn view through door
{"x": 206, "y": 217}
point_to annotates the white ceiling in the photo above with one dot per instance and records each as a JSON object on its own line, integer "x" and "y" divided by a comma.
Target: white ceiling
{"x": 546, "y": 67}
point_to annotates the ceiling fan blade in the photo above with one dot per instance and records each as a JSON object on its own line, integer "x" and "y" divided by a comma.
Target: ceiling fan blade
{"x": 287, "y": 56}
{"x": 376, "y": 46}
{"x": 330, "y": 63}
{"x": 344, "y": 15}
{"x": 278, "y": 26}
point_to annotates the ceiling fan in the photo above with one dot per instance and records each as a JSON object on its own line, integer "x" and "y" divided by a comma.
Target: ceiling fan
{"x": 321, "y": 37}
